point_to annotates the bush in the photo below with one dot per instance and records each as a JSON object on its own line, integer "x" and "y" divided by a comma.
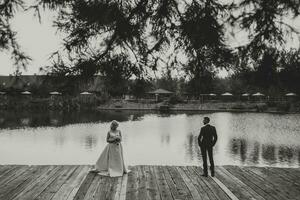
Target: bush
{"x": 283, "y": 106}
{"x": 239, "y": 107}
{"x": 175, "y": 99}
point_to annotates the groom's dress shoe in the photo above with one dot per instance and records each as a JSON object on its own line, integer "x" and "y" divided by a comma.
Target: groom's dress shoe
{"x": 205, "y": 175}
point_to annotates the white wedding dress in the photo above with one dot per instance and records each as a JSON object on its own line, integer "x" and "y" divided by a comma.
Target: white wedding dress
{"x": 111, "y": 162}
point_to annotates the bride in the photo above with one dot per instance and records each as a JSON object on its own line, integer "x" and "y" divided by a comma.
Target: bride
{"x": 111, "y": 161}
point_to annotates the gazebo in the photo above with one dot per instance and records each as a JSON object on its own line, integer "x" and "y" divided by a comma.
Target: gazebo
{"x": 160, "y": 92}
{"x": 291, "y": 96}
{"x": 87, "y": 97}
{"x": 85, "y": 93}
{"x": 26, "y": 93}
{"x": 245, "y": 96}
{"x": 227, "y": 96}
{"x": 258, "y": 96}
{"x": 55, "y": 93}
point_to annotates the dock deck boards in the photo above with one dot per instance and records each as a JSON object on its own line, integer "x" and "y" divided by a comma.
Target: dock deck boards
{"x": 68, "y": 182}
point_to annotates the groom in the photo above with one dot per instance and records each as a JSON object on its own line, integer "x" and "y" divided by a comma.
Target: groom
{"x": 206, "y": 140}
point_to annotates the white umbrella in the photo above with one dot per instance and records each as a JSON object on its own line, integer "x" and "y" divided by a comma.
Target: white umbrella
{"x": 26, "y": 92}
{"x": 258, "y": 94}
{"x": 291, "y": 94}
{"x": 55, "y": 93}
{"x": 245, "y": 94}
{"x": 227, "y": 94}
{"x": 212, "y": 94}
{"x": 85, "y": 93}
{"x": 2, "y": 93}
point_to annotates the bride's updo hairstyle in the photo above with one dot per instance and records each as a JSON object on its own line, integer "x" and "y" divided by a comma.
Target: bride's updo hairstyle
{"x": 114, "y": 123}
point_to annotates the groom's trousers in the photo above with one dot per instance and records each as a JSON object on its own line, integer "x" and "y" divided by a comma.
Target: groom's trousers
{"x": 204, "y": 151}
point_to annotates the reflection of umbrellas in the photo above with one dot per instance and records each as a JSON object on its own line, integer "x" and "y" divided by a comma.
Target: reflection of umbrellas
{"x": 291, "y": 94}
{"x": 55, "y": 93}
{"x": 85, "y": 93}
{"x": 1, "y": 93}
{"x": 245, "y": 94}
{"x": 212, "y": 94}
{"x": 258, "y": 94}
{"x": 227, "y": 94}
{"x": 26, "y": 92}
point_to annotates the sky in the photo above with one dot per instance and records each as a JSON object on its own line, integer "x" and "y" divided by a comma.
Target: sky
{"x": 39, "y": 40}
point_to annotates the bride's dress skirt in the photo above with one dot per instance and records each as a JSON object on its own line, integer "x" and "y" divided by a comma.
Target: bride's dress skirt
{"x": 111, "y": 161}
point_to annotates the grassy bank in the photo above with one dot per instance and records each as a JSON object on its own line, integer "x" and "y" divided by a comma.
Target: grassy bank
{"x": 49, "y": 103}
{"x": 69, "y": 103}
{"x": 238, "y": 106}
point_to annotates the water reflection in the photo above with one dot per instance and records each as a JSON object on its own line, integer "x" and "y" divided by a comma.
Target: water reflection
{"x": 14, "y": 120}
{"x": 149, "y": 138}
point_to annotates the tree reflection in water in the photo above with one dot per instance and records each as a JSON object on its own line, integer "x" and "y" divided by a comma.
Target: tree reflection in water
{"x": 21, "y": 119}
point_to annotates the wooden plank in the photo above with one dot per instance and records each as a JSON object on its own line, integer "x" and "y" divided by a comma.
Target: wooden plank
{"x": 132, "y": 184}
{"x": 284, "y": 187}
{"x": 14, "y": 180}
{"x": 93, "y": 188}
{"x": 123, "y": 187}
{"x": 196, "y": 171}
{"x": 236, "y": 186}
{"x": 287, "y": 174}
{"x": 255, "y": 184}
{"x": 152, "y": 187}
{"x": 30, "y": 183}
{"x": 18, "y": 185}
{"x": 142, "y": 188}
{"x": 195, "y": 179}
{"x": 118, "y": 188}
{"x": 50, "y": 191}
{"x": 42, "y": 184}
{"x": 148, "y": 182}
{"x": 85, "y": 186}
{"x": 161, "y": 182}
{"x": 111, "y": 188}
{"x": 181, "y": 187}
{"x": 171, "y": 183}
{"x": 188, "y": 182}
{"x": 6, "y": 169}
{"x": 213, "y": 187}
{"x": 225, "y": 189}
{"x": 69, "y": 189}
{"x": 11, "y": 175}
{"x": 251, "y": 185}
{"x": 104, "y": 188}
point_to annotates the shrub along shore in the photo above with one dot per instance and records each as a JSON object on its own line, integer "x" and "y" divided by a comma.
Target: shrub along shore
{"x": 238, "y": 106}
{"x": 94, "y": 102}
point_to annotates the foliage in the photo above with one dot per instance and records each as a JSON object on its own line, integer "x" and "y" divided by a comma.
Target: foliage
{"x": 139, "y": 87}
{"x": 8, "y": 37}
{"x": 175, "y": 99}
{"x": 121, "y": 39}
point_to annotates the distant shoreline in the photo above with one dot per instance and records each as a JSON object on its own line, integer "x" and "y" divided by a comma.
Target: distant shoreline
{"x": 253, "y": 107}
{"x": 193, "y": 110}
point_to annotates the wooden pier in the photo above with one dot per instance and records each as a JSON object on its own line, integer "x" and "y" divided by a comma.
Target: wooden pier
{"x": 67, "y": 182}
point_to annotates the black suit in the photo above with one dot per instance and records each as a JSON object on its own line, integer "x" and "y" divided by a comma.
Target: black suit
{"x": 206, "y": 140}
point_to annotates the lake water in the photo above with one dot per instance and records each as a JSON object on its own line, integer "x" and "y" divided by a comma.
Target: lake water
{"x": 149, "y": 138}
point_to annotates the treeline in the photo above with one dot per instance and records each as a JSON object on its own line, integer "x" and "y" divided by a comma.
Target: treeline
{"x": 122, "y": 39}
{"x": 275, "y": 74}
